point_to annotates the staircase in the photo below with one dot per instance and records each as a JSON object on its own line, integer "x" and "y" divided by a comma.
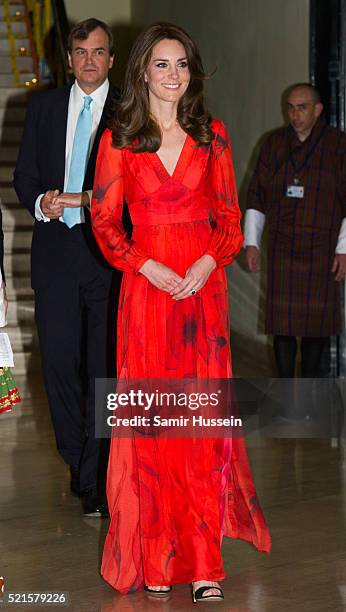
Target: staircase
{"x": 17, "y": 222}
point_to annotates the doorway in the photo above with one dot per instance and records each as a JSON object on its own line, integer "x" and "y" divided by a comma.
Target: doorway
{"x": 327, "y": 73}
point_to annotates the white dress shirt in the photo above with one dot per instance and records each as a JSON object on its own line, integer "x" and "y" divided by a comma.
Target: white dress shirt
{"x": 75, "y": 106}
{"x": 254, "y": 224}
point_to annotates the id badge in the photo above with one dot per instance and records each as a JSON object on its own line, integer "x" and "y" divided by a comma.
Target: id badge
{"x": 295, "y": 191}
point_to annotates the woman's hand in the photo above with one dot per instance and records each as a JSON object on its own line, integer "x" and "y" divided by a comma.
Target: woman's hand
{"x": 160, "y": 276}
{"x": 195, "y": 278}
{"x": 72, "y": 200}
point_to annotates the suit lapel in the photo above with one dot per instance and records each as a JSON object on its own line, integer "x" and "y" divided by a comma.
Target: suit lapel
{"x": 89, "y": 174}
{"x": 59, "y": 128}
{"x": 103, "y": 121}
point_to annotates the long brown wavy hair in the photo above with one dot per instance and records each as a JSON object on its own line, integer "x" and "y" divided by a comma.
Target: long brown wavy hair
{"x": 133, "y": 125}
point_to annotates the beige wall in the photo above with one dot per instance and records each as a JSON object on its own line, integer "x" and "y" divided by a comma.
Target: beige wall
{"x": 260, "y": 47}
{"x": 119, "y": 10}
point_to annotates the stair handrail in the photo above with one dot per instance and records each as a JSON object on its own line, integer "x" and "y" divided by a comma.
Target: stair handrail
{"x": 11, "y": 42}
{"x": 49, "y": 21}
{"x": 39, "y": 23}
{"x": 32, "y": 43}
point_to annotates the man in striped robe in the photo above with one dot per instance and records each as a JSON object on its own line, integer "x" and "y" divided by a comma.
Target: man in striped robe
{"x": 299, "y": 190}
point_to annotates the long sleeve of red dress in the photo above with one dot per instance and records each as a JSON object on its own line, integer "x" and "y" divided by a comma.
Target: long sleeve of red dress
{"x": 107, "y": 207}
{"x": 108, "y": 195}
{"x": 226, "y": 239}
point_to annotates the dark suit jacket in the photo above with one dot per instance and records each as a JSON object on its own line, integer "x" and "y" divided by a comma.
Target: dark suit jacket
{"x": 41, "y": 167}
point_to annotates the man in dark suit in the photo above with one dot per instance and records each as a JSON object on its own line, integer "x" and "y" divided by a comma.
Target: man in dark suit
{"x": 74, "y": 287}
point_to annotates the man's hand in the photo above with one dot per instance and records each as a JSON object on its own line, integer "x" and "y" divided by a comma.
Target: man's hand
{"x": 339, "y": 266}
{"x": 195, "y": 278}
{"x": 252, "y": 258}
{"x": 160, "y": 276}
{"x": 72, "y": 200}
{"x": 48, "y": 206}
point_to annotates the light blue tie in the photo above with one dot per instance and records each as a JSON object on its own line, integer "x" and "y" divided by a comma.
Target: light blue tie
{"x": 79, "y": 160}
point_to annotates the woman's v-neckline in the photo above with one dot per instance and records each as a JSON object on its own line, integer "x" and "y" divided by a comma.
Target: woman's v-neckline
{"x": 179, "y": 167}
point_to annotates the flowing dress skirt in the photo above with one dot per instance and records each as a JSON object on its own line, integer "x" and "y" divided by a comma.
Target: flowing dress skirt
{"x": 172, "y": 500}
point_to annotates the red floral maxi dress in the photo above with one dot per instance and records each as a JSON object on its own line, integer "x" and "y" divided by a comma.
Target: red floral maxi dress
{"x": 172, "y": 500}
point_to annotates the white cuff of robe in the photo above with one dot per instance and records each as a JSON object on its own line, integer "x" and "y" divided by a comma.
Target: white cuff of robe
{"x": 341, "y": 244}
{"x": 39, "y": 216}
{"x": 253, "y": 227}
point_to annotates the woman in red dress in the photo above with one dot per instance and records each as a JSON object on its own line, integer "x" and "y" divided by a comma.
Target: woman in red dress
{"x": 171, "y": 500}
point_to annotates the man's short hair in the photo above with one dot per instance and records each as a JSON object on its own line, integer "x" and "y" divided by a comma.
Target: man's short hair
{"x": 82, "y": 30}
{"x": 316, "y": 96}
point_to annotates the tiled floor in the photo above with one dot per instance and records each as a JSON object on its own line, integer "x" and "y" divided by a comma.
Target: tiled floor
{"x": 47, "y": 545}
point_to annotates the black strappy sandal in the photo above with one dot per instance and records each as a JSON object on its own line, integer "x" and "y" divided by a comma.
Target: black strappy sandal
{"x": 157, "y": 593}
{"x": 198, "y": 595}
